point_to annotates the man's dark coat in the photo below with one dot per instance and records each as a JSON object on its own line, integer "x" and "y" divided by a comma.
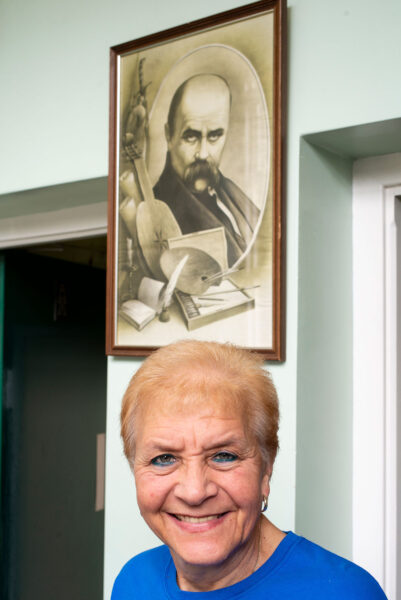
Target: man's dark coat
{"x": 200, "y": 212}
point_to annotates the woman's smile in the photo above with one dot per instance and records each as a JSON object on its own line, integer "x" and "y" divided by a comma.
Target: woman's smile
{"x": 189, "y": 519}
{"x": 198, "y": 525}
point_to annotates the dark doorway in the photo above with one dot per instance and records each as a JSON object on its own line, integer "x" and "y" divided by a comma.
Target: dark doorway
{"x": 54, "y": 405}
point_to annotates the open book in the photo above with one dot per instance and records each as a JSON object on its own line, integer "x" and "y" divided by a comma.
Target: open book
{"x": 153, "y": 297}
{"x": 141, "y": 311}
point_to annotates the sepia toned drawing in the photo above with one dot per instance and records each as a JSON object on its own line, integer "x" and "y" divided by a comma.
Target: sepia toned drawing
{"x": 194, "y": 195}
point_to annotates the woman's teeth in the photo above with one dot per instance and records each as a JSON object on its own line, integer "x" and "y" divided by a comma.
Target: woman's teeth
{"x": 196, "y": 519}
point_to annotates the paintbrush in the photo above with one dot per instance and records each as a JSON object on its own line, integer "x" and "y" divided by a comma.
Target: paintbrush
{"x": 204, "y": 296}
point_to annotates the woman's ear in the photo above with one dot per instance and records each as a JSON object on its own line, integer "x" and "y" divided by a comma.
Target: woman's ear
{"x": 266, "y": 481}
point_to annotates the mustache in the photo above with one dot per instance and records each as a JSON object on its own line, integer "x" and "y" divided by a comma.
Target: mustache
{"x": 202, "y": 169}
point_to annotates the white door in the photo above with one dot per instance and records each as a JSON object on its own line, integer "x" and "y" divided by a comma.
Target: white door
{"x": 377, "y": 367}
{"x": 397, "y": 367}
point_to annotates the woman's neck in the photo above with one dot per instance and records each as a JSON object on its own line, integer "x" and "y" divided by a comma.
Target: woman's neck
{"x": 199, "y": 578}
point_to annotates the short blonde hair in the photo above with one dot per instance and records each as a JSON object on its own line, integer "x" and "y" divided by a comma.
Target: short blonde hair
{"x": 192, "y": 368}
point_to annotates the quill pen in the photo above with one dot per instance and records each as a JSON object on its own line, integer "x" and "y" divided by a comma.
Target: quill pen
{"x": 170, "y": 287}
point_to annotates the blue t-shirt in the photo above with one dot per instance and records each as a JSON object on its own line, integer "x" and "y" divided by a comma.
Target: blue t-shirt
{"x": 297, "y": 570}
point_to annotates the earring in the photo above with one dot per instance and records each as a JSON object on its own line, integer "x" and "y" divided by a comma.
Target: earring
{"x": 264, "y": 503}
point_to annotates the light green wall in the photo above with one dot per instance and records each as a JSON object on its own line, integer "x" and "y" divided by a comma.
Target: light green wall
{"x": 54, "y": 56}
{"x": 343, "y": 59}
{"x": 324, "y": 405}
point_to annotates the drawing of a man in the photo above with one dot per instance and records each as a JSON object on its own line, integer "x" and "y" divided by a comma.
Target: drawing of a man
{"x": 192, "y": 185}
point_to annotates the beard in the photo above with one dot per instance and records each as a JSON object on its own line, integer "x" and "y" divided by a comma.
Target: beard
{"x": 201, "y": 174}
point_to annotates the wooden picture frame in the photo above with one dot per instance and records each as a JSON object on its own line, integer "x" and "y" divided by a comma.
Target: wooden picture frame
{"x": 196, "y": 184}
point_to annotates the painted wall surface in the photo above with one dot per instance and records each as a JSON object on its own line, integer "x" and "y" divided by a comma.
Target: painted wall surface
{"x": 54, "y": 124}
{"x": 55, "y": 59}
{"x": 324, "y": 362}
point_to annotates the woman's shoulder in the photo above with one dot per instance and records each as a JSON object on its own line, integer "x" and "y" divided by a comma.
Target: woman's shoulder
{"x": 149, "y": 557}
{"x": 333, "y": 572}
{"x": 141, "y": 570}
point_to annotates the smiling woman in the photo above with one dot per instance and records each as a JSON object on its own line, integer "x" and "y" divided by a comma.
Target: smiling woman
{"x": 199, "y": 424}
{"x": 201, "y": 493}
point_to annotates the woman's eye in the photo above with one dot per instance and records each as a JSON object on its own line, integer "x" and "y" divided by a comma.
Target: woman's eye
{"x": 224, "y": 457}
{"x": 164, "y": 460}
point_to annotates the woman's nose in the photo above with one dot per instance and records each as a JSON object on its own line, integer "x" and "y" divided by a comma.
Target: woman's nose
{"x": 194, "y": 486}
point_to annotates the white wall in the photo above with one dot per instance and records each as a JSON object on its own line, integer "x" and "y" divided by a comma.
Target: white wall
{"x": 54, "y": 124}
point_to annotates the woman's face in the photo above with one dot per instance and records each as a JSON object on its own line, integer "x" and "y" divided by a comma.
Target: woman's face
{"x": 199, "y": 479}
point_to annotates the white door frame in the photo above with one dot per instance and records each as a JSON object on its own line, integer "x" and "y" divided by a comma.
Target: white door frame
{"x": 88, "y": 220}
{"x": 376, "y": 182}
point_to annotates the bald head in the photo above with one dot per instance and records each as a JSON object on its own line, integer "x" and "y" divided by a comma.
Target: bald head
{"x": 197, "y": 124}
{"x": 205, "y": 87}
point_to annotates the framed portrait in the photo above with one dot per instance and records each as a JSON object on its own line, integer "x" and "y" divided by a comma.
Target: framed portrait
{"x": 196, "y": 200}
